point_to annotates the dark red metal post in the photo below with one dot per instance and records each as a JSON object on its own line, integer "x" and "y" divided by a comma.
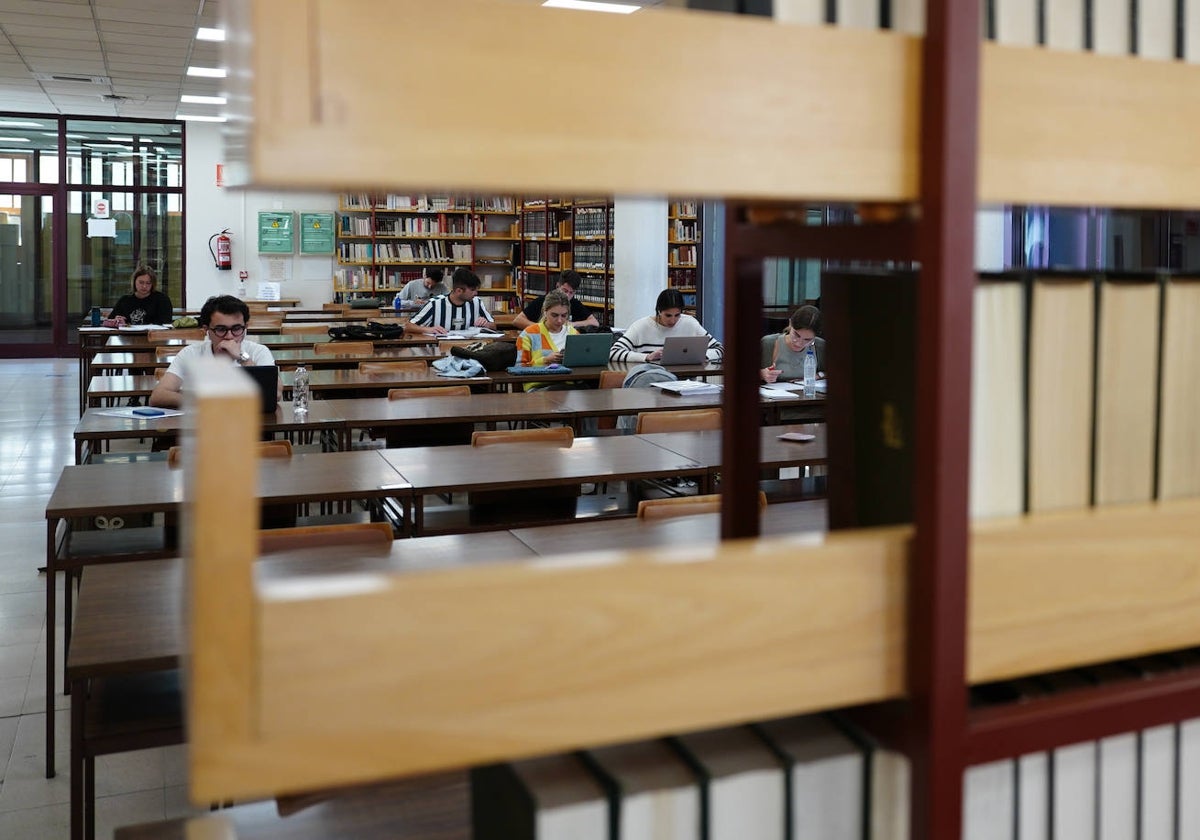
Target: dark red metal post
{"x": 938, "y": 576}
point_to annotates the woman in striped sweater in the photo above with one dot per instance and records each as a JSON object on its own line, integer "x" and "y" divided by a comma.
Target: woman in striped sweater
{"x": 643, "y": 341}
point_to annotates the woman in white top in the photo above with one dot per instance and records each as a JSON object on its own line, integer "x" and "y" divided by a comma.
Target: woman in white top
{"x": 643, "y": 341}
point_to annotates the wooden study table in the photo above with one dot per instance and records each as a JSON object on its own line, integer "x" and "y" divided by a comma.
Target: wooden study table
{"x": 285, "y": 358}
{"x": 503, "y": 380}
{"x": 151, "y": 487}
{"x": 448, "y": 469}
{"x": 327, "y": 383}
{"x": 96, "y": 428}
{"x": 129, "y": 622}
{"x": 273, "y": 340}
{"x": 705, "y": 447}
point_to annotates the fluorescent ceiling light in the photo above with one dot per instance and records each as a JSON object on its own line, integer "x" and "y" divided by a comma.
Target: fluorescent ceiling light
{"x": 14, "y": 139}
{"x": 592, "y": 6}
{"x": 121, "y": 139}
{"x": 202, "y": 100}
{"x": 19, "y": 124}
{"x": 207, "y": 72}
{"x": 207, "y": 33}
{"x": 199, "y": 118}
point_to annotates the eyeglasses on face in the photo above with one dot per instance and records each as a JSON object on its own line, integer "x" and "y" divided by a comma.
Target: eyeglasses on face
{"x": 235, "y": 330}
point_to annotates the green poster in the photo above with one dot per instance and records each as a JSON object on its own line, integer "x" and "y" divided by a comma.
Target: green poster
{"x": 275, "y": 232}
{"x": 316, "y": 233}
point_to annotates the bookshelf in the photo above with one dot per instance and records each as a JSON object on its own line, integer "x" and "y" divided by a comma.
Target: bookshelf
{"x": 386, "y": 240}
{"x": 561, "y": 233}
{"x": 683, "y": 252}
{"x": 908, "y": 135}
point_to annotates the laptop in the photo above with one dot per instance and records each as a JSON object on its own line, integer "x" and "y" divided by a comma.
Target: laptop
{"x": 587, "y": 349}
{"x": 267, "y": 377}
{"x": 685, "y": 350}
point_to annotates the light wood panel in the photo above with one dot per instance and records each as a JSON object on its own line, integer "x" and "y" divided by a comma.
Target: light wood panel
{"x": 221, "y": 537}
{"x": 1059, "y": 590}
{"x": 1060, "y": 394}
{"x": 998, "y": 400}
{"x": 840, "y": 124}
{"x": 1126, "y": 392}
{"x": 1179, "y": 442}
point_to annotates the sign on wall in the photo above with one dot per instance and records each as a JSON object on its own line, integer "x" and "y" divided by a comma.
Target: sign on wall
{"x": 276, "y": 232}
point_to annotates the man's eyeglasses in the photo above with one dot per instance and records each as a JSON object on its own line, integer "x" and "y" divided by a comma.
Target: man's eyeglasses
{"x": 222, "y": 330}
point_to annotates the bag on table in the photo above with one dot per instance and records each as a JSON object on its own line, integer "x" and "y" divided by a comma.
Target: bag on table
{"x": 493, "y": 355}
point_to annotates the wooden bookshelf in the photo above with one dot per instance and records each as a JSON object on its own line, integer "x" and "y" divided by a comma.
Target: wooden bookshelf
{"x": 839, "y": 115}
{"x": 386, "y": 240}
{"x": 683, "y": 252}
{"x": 562, "y": 233}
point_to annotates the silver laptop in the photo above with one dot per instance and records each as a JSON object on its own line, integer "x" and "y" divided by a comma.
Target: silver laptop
{"x": 681, "y": 350}
{"x": 587, "y": 349}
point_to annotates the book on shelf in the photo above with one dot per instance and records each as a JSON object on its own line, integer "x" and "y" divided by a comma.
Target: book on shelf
{"x": 742, "y": 787}
{"x": 1178, "y": 475}
{"x": 550, "y": 798}
{"x": 652, "y": 792}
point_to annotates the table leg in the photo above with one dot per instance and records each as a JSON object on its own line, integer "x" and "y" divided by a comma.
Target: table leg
{"x": 77, "y": 762}
{"x": 89, "y": 795}
{"x": 51, "y": 573}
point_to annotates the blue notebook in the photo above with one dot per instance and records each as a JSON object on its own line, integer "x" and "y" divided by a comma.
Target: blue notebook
{"x": 538, "y": 370}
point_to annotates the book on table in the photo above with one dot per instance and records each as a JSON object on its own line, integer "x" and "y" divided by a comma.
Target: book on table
{"x": 687, "y": 387}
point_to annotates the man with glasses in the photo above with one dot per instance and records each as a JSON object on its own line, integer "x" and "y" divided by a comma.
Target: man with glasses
{"x": 224, "y": 320}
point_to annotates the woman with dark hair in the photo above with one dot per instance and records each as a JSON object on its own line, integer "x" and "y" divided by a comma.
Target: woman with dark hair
{"x": 146, "y": 305}
{"x": 783, "y": 353}
{"x": 643, "y": 341}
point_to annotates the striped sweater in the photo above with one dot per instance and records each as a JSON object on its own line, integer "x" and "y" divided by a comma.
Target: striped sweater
{"x": 646, "y": 335}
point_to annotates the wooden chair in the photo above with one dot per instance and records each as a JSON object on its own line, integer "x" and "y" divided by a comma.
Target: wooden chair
{"x": 686, "y": 506}
{"x": 266, "y": 449}
{"x": 344, "y": 348}
{"x": 271, "y": 321}
{"x": 439, "y": 391}
{"x": 698, "y": 420}
{"x": 192, "y": 334}
{"x": 303, "y": 329}
{"x": 390, "y": 367}
{"x": 358, "y": 534}
{"x": 610, "y": 379}
{"x": 335, "y": 307}
{"x": 562, "y": 435}
{"x": 166, "y": 350}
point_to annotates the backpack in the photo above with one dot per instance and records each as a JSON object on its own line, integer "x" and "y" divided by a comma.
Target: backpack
{"x": 642, "y": 375}
{"x": 493, "y": 355}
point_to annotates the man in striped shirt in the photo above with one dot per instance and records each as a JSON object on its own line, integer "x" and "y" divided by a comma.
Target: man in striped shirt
{"x": 454, "y": 311}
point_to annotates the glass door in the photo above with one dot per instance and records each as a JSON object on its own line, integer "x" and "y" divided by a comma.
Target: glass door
{"x": 26, "y": 274}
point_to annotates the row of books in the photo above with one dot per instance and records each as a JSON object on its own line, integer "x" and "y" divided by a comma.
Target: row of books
{"x": 431, "y": 251}
{"x": 683, "y": 208}
{"x": 593, "y": 288}
{"x": 353, "y": 279}
{"x": 681, "y": 255}
{"x": 593, "y": 221}
{"x": 548, "y": 254}
{"x": 428, "y": 203}
{"x": 682, "y": 278}
{"x": 591, "y": 255}
{"x": 680, "y": 230}
{"x": 415, "y": 225}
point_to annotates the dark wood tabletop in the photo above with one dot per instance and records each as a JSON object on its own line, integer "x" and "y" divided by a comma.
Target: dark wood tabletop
{"x": 285, "y": 357}
{"x": 705, "y": 447}
{"x": 273, "y": 339}
{"x": 471, "y": 408}
{"x": 354, "y": 381}
{"x": 129, "y": 618}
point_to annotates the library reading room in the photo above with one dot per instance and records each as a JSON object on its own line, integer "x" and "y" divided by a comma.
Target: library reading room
{"x": 454, "y": 459}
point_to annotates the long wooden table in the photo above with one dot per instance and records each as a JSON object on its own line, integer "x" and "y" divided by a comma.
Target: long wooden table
{"x": 151, "y": 487}
{"x": 285, "y": 358}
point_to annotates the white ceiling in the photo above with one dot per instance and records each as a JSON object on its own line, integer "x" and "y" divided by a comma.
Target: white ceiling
{"x": 117, "y": 58}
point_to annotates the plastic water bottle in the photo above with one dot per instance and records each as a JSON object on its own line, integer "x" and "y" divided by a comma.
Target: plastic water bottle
{"x": 810, "y": 372}
{"x": 397, "y": 303}
{"x": 300, "y": 391}
{"x": 95, "y": 316}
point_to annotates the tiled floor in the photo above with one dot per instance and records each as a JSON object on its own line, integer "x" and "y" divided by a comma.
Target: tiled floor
{"x": 38, "y": 411}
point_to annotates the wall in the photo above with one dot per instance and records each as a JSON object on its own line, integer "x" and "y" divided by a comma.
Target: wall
{"x": 639, "y": 257}
{"x": 211, "y": 208}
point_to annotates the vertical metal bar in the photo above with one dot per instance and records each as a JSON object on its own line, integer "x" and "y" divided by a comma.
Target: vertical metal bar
{"x": 740, "y": 428}
{"x": 938, "y": 576}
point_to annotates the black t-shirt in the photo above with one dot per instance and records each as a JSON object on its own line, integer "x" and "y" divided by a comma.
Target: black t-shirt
{"x": 155, "y": 308}
{"x": 579, "y": 312}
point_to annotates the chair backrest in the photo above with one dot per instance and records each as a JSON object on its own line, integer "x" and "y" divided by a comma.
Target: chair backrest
{"x": 686, "y": 506}
{"x": 303, "y": 329}
{"x": 166, "y": 350}
{"x": 257, "y": 306}
{"x": 561, "y": 435}
{"x": 319, "y": 536}
{"x": 698, "y": 420}
{"x": 388, "y": 367}
{"x": 611, "y": 378}
{"x": 166, "y": 335}
{"x": 335, "y": 307}
{"x": 264, "y": 321}
{"x": 266, "y": 449}
{"x": 344, "y": 348}
{"x": 440, "y": 391}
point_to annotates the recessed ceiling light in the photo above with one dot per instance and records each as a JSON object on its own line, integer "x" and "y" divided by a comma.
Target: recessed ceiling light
{"x": 207, "y": 33}
{"x": 199, "y": 118}
{"x": 202, "y": 100}
{"x": 14, "y": 139}
{"x": 207, "y": 72}
{"x": 592, "y": 6}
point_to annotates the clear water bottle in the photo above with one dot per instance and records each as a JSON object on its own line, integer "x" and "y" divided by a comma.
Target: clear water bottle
{"x": 810, "y": 372}
{"x": 300, "y": 391}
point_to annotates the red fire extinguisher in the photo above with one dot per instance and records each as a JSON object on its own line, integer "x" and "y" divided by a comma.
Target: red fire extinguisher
{"x": 223, "y": 255}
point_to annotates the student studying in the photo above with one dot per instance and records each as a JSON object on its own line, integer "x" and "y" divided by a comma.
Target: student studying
{"x": 454, "y": 311}
{"x": 783, "y": 353}
{"x": 224, "y": 320}
{"x": 644, "y": 340}
{"x": 542, "y": 344}
{"x": 146, "y": 305}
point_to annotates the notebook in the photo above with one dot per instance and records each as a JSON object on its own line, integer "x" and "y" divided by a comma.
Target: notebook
{"x": 267, "y": 377}
{"x": 587, "y": 349}
{"x": 681, "y": 350}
